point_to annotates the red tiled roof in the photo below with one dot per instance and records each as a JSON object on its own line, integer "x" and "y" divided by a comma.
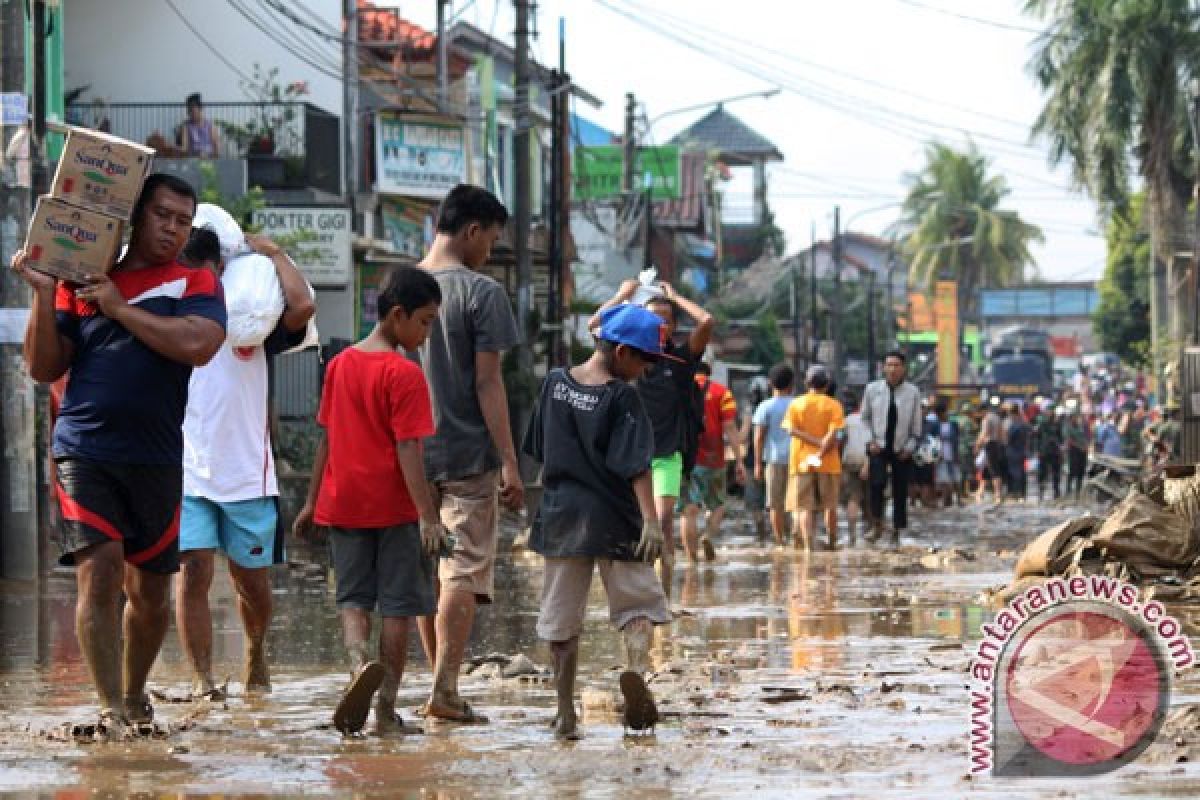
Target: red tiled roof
{"x": 377, "y": 24}
{"x": 686, "y": 213}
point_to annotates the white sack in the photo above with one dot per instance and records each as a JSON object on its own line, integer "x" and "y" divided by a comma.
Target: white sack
{"x": 253, "y": 299}
{"x": 229, "y": 233}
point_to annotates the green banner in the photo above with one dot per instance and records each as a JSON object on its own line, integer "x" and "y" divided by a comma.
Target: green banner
{"x": 598, "y": 172}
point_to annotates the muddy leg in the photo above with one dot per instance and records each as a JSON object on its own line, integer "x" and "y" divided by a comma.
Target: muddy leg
{"x": 688, "y": 530}
{"x": 831, "y": 516}
{"x": 641, "y": 712}
{"x": 98, "y": 577}
{"x": 356, "y": 633}
{"x": 779, "y": 524}
{"x": 193, "y": 617}
{"x": 456, "y": 615}
{"x": 666, "y": 519}
{"x": 253, "y": 588}
{"x": 712, "y": 529}
{"x": 427, "y": 628}
{"x": 393, "y": 652}
{"x": 566, "y": 664}
{"x": 147, "y": 615}
{"x": 638, "y": 634}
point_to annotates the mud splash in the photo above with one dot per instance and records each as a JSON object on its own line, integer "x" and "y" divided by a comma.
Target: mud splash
{"x": 785, "y": 675}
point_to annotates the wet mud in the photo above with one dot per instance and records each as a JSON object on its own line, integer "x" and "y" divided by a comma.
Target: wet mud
{"x": 784, "y": 675}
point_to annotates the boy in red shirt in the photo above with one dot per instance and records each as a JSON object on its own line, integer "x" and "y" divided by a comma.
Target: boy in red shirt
{"x": 369, "y": 490}
{"x": 706, "y": 488}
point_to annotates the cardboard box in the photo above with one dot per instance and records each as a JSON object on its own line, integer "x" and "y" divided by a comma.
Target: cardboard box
{"x": 101, "y": 172}
{"x": 70, "y": 242}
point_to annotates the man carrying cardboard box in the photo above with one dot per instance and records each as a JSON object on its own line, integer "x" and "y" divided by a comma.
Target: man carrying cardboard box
{"x": 129, "y": 341}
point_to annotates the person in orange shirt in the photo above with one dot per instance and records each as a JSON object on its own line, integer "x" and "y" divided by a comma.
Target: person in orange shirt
{"x": 815, "y": 466}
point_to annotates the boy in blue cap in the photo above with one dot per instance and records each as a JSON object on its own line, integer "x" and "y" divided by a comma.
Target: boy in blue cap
{"x": 593, "y": 437}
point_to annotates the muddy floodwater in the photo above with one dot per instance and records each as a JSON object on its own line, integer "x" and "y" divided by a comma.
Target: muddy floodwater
{"x": 836, "y": 674}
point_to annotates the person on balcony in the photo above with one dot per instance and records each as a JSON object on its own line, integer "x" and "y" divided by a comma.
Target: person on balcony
{"x": 197, "y": 136}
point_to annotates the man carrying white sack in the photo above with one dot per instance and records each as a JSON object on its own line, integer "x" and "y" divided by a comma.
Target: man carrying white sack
{"x": 230, "y": 499}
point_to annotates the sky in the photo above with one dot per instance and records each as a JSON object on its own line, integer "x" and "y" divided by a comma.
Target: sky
{"x": 866, "y": 84}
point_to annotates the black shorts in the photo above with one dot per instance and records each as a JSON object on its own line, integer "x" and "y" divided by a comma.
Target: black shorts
{"x": 997, "y": 460}
{"x": 137, "y": 504}
{"x": 384, "y": 569}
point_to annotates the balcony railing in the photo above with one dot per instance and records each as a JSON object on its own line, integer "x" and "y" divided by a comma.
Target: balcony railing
{"x": 303, "y": 149}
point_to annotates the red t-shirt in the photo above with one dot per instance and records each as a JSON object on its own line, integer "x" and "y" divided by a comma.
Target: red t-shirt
{"x": 371, "y": 401}
{"x": 719, "y": 408}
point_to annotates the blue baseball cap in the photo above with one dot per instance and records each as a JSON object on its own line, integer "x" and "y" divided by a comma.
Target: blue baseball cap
{"x": 636, "y": 327}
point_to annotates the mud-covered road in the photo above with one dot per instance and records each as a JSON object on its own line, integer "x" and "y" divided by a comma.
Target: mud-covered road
{"x": 836, "y": 674}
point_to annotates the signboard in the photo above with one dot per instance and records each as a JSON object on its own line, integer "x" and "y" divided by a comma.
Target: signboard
{"x": 418, "y": 157}
{"x": 408, "y": 225}
{"x": 370, "y": 276}
{"x": 598, "y": 172}
{"x": 322, "y": 240}
{"x": 14, "y": 108}
{"x": 945, "y": 313}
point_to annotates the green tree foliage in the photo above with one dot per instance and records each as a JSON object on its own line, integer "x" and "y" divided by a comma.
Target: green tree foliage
{"x": 1115, "y": 74}
{"x": 1122, "y": 319}
{"x": 955, "y": 227}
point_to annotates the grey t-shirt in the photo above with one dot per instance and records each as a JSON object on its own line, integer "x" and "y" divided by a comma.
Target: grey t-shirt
{"x": 475, "y": 317}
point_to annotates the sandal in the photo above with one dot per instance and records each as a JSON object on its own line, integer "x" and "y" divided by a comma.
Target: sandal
{"x": 640, "y": 711}
{"x": 465, "y": 715}
{"x": 351, "y": 713}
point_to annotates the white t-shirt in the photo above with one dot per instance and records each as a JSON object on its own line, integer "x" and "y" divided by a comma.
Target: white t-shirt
{"x": 226, "y": 436}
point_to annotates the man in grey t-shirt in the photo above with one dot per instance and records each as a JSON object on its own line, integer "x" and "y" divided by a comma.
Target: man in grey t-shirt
{"x": 471, "y": 458}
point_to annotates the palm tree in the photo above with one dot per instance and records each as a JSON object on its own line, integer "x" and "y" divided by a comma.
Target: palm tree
{"x": 955, "y": 229}
{"x": 1114, "y": 75}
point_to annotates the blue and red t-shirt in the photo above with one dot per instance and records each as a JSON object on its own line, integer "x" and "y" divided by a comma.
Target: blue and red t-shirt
{"x": 124, "y": 402}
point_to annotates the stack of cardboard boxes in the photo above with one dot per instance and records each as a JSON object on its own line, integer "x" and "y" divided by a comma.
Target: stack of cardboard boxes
{"x": 76, "y": 229}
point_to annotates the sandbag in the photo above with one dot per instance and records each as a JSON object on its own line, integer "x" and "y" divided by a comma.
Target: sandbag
{"x": 220, "y": 222}
{"x": 253, "y": 299}
{"x": 1042, "y": 556}
{"x": 1141, "y": 531}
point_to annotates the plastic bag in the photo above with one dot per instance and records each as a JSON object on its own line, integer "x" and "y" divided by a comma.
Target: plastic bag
{"x": 229, "y": 233}
{"x": 649, "y": 288}
{"x": 253, "y": 299}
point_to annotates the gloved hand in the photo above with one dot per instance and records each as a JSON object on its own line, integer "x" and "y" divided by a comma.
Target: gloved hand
{"x": 432, "y": 534}
{"x": 650, "y": 546}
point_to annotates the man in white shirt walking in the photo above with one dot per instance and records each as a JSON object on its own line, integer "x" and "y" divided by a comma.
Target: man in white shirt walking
{"x": 230, "y": 501}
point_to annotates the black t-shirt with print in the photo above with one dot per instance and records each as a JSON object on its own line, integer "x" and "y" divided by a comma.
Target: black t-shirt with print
{"x": 667, "y": 391}
{"x": 592, "y": 441}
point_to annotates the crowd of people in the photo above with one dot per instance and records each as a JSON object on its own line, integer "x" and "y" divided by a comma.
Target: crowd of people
{"x": 162, "y": 460}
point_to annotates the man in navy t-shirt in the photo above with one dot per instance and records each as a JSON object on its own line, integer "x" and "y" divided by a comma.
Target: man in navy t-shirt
{"x": 129, "y": 341}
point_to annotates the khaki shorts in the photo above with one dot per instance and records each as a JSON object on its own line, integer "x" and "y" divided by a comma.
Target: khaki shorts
{"x": 814, "y": 491}
{"x": 776, "y": 476}
{"x": 469, "y": 508}
{"x": 632, "y": 587}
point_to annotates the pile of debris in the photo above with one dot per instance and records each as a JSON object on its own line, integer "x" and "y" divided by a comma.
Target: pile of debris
{"x": 1151, "y": 539}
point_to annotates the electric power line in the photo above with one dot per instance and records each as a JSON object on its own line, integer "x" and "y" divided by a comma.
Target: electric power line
{"x": 206, "y": 42}
{"x": 991, "y": 23}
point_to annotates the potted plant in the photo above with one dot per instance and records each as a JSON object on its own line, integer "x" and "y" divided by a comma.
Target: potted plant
{"x": 270, "y": 133}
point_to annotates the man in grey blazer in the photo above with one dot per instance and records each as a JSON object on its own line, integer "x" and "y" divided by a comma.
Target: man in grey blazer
{"x": 891, "y": 410}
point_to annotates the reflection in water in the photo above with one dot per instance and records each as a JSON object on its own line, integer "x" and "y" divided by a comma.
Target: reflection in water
{"x": 773, "y": 617}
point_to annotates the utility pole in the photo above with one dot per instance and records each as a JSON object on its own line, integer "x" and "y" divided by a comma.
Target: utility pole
{"x": 812, "y": 299}
{"x": 522, "y": 196}
{"x": 837, "y": 295}
{"x": 798, "y": 352}
{"x": 629, "y": 154}
{"x": 870, "y": 325}
{"x": 351, "y": 125}
{"x": 19, "y": 556}
{"x": 443, "y": 77}
{"x": 648, "y": 255}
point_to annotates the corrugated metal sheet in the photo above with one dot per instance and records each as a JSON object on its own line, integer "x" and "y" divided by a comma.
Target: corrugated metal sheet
{"x": 686, "y": 213}
{"x": 1189, "y": 386}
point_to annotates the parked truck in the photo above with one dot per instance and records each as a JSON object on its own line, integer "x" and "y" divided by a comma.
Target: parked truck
{"x": 1021, "y": 363}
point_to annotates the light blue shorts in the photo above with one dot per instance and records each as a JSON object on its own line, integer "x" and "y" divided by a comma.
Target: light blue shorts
{"x": 246, "y": 531}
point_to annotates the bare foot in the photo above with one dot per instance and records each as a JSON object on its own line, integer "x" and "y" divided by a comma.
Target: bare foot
{"x": 257, "y": 678}
{"x": 566, "y": 727}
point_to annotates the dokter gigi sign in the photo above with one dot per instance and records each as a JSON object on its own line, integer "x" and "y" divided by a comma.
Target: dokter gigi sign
{"x": 1073, "y": 677}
